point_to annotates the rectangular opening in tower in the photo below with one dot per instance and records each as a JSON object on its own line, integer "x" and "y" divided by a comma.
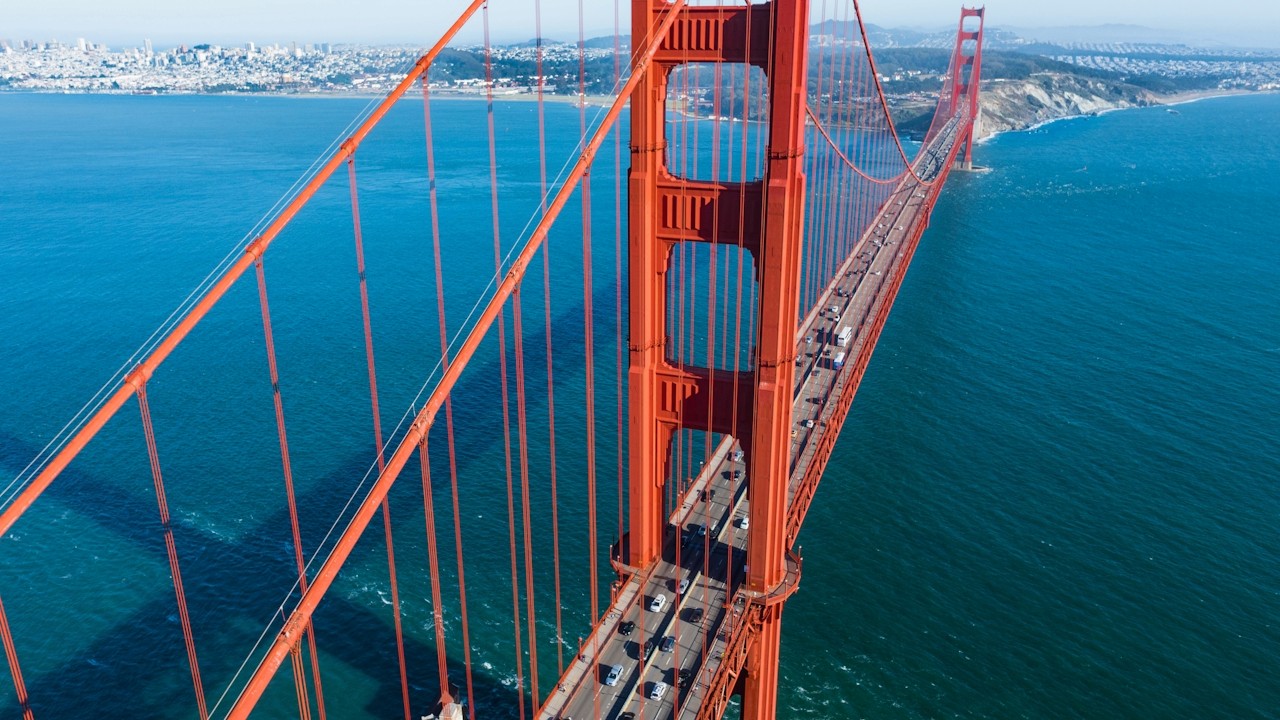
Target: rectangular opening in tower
{"x": 692, "y": 453}
{"x": 712, "y": 299}
{"x": 717, "y": 122}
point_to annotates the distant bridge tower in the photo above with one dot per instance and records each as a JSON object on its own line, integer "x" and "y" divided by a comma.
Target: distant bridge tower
{"x": 966, "y": 77}
{"x": 755, "y": 405}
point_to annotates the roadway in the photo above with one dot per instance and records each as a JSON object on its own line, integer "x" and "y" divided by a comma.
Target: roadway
{"x": 705, "y": 542}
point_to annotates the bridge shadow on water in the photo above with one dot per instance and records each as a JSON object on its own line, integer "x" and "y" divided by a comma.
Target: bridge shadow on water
{"x": 137, "y": 669}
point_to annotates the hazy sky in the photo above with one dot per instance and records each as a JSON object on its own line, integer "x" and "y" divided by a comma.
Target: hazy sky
{"x": 266, "y": 21}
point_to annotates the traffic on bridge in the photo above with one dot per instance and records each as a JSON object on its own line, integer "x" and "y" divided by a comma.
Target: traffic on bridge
{"x": 824, "y": 223}
{"x": 667, "y": 631}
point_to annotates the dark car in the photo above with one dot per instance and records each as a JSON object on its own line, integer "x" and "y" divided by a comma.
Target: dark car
{"x": 694, "y": 615}
{"x": 668, "y": 642}
{"x": 686, "y": 674}
{"x": 626, "y": 627}
{"x": 648, "y": 648}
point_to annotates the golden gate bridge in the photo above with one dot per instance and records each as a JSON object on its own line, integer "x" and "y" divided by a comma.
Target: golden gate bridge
{"x": 771, "y": 213}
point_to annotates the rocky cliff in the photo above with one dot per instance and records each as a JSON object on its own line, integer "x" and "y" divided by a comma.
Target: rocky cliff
{"x": 1019, "y": 104}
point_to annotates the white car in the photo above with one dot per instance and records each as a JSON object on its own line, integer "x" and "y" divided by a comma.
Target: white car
{"x": 745, "y": 522}
{"x": 615, "y": 673}
{"x": 683, "y": 587}
{"x": 659, "y": 689}
{"x": 658, "y": 602}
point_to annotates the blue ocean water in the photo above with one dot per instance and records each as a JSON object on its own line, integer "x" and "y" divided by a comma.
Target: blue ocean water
{"x": 1055, "y": 496}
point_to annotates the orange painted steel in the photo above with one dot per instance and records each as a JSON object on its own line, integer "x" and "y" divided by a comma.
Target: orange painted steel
{"x": 388, "y": 539}
{"x": 822, "y": 130}
{"x": 433, "y": 563}
{"x": 252, "y": 252}
{"x": 666, "y": 399}
{"x": 972, "y": 79}
{"x": 588, "y": 337}
{"x": 300, "y": 683}
{"x": 290, "y": 497}
{"x": 667, "y": 395}
{"x": 884, "y": 101}
{"x": 302, "y": 613}
{"x": 765, "y": 218}
{"x": 157, "y": 477}
{"x": 11, "y": 653}
{"x": 547, "y": 338}
{"x": 433, "y": 197}
{"x": 769, "y": 453}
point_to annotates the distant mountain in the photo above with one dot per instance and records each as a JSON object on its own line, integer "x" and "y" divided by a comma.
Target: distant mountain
{"x": 606, "y": 41}
{"x": 602, "y": 42}
{"x": 1113, "y": 33}
{"x": 1036, "y": 40}
{"x": 882, "y": 37}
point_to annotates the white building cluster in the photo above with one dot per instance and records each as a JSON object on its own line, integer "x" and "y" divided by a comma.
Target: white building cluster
{"x": 1234, "y": 68}
{"x": 55, "y": 67}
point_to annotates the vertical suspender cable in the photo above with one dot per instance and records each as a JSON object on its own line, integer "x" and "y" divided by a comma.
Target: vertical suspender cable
{"x": 140, "y": 388}
{"x": 346, "y": 542}
{"x": 522, "y": 429}
{"x": 830, "y": 228}
{"x": 587, "y": 327}
{"x": 290, "y": 498}
{"x": 546, "y": 306}
{"x": 811, "y": 161}
{"x": 852, "y": 142}
{"x": 859, "y": 146}
{"x": 502, "y": 363}
{"x": 448, "y": 402}
{"x": 300, "y": 682}
{"x": 194, "y": 313}
{"x": 677, "y": 284}
{"x": 11, "y": 653}
{"x": 433, "y": 559}
{"x": 680, "y": 165}
{"x": 620, "y": 388}
{"x": 847, "y": 225}
{"x": 377, "y": 433}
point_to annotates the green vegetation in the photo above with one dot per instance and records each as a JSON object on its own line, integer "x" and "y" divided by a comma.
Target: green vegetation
{"x": 560, "y": 69}
{"x": 1165, "y": 85}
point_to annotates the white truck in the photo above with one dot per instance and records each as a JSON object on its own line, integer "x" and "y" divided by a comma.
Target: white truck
{"x": 846, "y": 334}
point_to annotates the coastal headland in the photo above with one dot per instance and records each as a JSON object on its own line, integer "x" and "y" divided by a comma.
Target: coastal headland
{"x": 1025, "y": 83}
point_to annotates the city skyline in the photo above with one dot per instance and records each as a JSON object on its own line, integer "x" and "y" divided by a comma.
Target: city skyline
{"x": 235, "y": 22}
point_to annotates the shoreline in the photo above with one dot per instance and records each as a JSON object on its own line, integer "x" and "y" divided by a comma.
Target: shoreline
{"x": 1191, "y": 96}
{"x": 1166, "y": 101}
{"x": 590, "y": 100}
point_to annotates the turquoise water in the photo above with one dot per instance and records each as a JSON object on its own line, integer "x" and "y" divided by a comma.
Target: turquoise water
{"x": 1055, "y": 497}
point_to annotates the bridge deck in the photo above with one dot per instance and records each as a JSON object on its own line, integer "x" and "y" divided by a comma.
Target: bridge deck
{"x": 703, "y": 617}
